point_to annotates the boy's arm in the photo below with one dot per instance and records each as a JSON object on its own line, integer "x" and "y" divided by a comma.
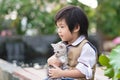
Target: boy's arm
{"x": 53, "y": 61}
{"x": 56, "y": 72}
{"x": 73, "y": 73}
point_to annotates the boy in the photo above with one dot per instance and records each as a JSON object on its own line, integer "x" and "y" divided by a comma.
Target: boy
{"x": 72, "y": 27}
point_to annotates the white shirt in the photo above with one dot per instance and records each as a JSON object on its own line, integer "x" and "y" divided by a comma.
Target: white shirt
{"x": 87, "y": 59}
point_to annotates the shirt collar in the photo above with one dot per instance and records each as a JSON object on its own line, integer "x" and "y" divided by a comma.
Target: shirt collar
{"x": 79, "y": 39}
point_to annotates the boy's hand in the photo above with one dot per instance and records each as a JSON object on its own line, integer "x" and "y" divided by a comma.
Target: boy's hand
{"x": 55, "y": 72}
{"x": 54, "y": 61}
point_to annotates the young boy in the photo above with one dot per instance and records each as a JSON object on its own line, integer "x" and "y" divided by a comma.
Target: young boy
{"x": 72, "y": 27}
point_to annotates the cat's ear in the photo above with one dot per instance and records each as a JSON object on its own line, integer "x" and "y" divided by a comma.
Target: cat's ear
{"x": 53, "y": 45}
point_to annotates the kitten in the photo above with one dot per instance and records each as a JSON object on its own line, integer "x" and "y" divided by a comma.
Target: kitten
{"x": 60, "y": 52}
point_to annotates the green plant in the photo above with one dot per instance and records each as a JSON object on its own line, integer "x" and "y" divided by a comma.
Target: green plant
{"x": 107, "y": 17}
{"x": 112, "y": 63}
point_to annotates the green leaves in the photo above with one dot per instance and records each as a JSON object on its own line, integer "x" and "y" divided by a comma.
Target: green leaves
{"x": 109, "y": 72}
{"x": 112, "y": 63}
{"x": 35, "y": 11}
{"x": 108, "y": 17}
{"x": 104, "y": 60}
{"x": 115, "y": 61}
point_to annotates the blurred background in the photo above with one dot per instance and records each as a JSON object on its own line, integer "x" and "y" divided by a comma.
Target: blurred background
{"x": 27, "y": 27}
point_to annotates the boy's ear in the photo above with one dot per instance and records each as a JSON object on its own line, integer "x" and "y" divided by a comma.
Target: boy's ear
{"x": 77, "y": 28}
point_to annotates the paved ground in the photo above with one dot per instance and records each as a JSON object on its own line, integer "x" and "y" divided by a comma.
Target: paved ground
{"x": 99, "y": 74}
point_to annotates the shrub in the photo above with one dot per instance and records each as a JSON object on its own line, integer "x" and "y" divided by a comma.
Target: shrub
{"x": 111, "y": 63}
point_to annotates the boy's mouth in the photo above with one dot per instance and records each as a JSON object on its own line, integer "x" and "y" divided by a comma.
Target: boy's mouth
{"x": 60, "y": 35}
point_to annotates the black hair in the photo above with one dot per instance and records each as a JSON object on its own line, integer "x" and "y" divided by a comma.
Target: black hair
{"x": 74, "y": 16}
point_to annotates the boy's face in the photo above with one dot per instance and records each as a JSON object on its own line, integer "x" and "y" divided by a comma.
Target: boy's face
{"x": 63, "y": 31}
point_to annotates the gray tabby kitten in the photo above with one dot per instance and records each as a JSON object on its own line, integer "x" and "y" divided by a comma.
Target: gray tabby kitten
{"x": 60, "y": 52}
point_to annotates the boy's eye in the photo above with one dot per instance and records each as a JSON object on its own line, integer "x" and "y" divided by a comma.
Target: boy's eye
{"x": 62, "y": 26}
{"x": 58, "y": 27}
